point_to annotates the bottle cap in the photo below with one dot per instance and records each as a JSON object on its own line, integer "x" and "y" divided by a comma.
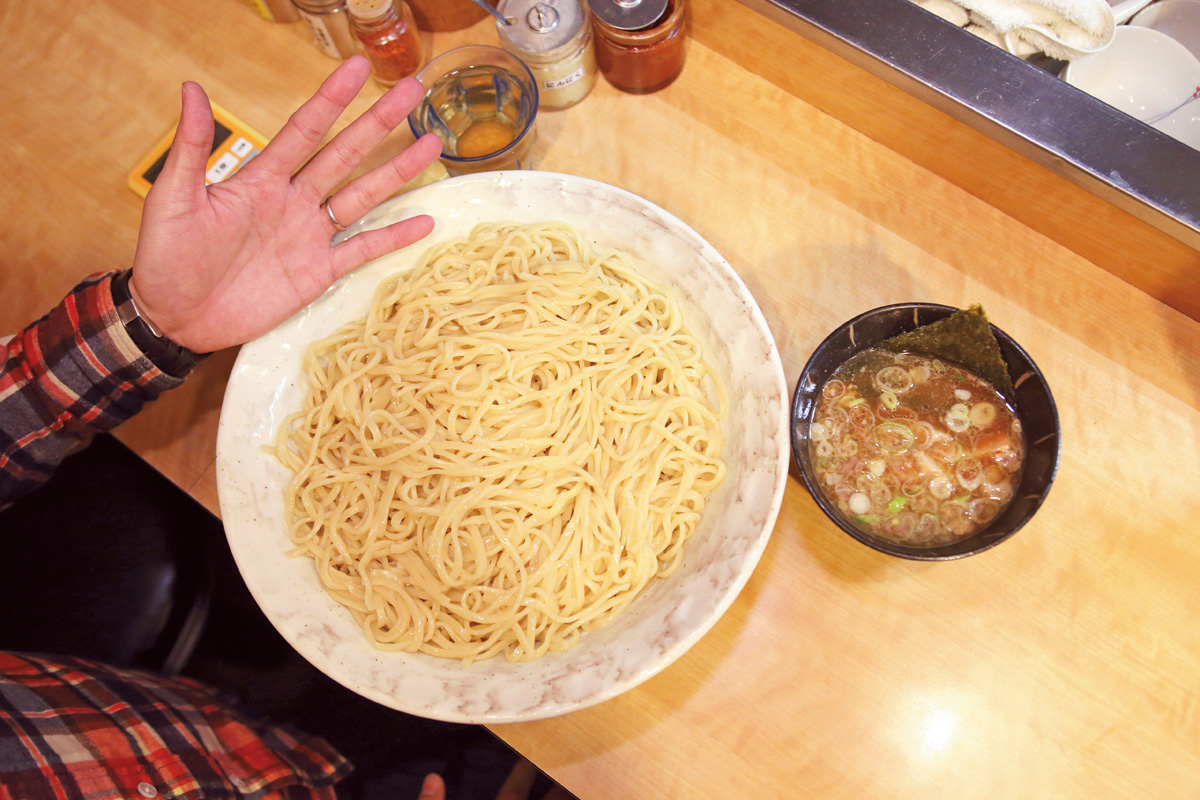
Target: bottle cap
{"x": 368, "y": 10}
{"x": 319, "y": 6}
{"x": 629, "y": 15}
{"x": 540, "y": 25}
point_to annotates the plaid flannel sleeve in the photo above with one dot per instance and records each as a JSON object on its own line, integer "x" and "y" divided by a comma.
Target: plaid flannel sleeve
{"x": 73, "y": 373}
{"x": 71, "y": 728}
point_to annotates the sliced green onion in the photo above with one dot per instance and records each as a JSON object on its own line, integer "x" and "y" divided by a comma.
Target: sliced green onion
{"x": 893, "y": 379}
{"x": 958, "y": 418}
{"x": 969, "y": 472}
{"x": 897, "y": 504}
{"x": 861, "y": 417}
{"x": 982, "y": 414}
{"x": 834, "y": 389}
{"x": 948, "y": 450}
{"x": 941, "y": 487}
{"x": 995, "y": 474}
{"x": 923, "y": 433}
{"x": 895, "y": 437}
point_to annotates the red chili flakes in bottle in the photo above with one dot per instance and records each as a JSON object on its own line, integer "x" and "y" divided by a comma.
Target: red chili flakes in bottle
{"x": 388, "y": 37}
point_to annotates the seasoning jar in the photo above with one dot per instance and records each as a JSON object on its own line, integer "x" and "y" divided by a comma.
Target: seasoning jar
{"x": 554, "y": 39}
{"x": 640, "y": 44}
{"x": 330, "y": 26}
{"x": 387, "y": 36}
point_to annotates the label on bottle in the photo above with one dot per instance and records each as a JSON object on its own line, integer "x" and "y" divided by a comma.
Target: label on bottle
{"x": 321, "y": 35}
{"x": 566, "y": 80}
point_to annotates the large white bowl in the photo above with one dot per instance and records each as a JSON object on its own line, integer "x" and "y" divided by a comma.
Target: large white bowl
{"x": 1144, "y": 73}
{"x": 670, "y": 616}
{"x": 1124, "y": 9}
{"x": 1179, "y": 19}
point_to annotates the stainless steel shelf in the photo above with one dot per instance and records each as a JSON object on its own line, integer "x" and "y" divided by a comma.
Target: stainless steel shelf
{"x": 1026, "y": 108}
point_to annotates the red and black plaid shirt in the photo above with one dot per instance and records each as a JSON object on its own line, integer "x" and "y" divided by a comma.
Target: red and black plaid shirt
{"x": 64, "y": 378}
{"x": 77, "y": 730}
{"x": 72, "y": 729}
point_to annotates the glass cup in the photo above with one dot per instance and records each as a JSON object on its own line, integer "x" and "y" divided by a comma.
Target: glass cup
{"x": 481, "y": 101}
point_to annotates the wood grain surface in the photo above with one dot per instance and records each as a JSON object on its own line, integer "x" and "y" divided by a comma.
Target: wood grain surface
{"x": 1038, "y": 196}
{"x": 1063, "y": 663}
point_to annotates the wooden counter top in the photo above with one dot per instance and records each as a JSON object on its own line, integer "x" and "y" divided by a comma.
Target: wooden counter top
{"x": 1063, "y": 663}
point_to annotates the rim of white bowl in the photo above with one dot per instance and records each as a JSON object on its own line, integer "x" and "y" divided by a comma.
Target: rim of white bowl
{"x": 1162, "y": 43}
{"x": 1152, "y": 18}
{"x": 1126, "y": 8}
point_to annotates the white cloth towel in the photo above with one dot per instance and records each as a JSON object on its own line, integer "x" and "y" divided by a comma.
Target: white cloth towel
{"x": 1063, "y": 29}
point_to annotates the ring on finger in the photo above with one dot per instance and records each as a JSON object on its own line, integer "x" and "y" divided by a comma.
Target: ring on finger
{"x": 332, "y": 218}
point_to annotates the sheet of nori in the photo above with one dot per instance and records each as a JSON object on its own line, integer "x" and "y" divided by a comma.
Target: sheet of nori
{"x": 964, "y": 338}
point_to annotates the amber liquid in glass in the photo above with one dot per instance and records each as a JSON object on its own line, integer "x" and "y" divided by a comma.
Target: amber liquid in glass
{"x": 476, "y": 110}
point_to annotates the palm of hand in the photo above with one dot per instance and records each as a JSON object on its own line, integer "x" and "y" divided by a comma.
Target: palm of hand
{"x": 245, "y": 261}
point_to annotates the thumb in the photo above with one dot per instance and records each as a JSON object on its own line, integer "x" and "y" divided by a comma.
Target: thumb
{"x": 433, "y": 788}
{"x": 187, "y": 160}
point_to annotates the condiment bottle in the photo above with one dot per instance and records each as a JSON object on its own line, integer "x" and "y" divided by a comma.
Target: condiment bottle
{"x": 330, "y": 26}
{"x": 554, "y": 39}
{"x": 387, "y": 36}
{"x": 640, "y": 44}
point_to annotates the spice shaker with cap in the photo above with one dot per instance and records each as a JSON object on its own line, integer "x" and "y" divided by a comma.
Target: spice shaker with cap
{"x": 640, "y": 44}
{"x": 554, "y": 39}
{"x": 330, "y": 26}
{"x": 387, "y": 35}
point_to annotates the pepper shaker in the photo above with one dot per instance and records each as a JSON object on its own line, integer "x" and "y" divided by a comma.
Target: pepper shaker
{"x": 554, "y": 39}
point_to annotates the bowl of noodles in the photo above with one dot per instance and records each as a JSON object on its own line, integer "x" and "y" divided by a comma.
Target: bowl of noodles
{"x": 515, "y": 469}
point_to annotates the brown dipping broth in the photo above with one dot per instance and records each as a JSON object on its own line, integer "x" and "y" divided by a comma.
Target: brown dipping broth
{"x": 913, "y": 449}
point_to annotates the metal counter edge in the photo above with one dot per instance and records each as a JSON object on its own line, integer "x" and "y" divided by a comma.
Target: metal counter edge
{"x": 1016, "y": 103}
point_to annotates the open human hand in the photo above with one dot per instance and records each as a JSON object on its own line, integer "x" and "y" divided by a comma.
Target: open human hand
{"x": 219, "y": 265}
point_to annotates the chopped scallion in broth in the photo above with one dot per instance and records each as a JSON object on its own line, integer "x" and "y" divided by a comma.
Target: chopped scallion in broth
{"x": 914, "y": 449}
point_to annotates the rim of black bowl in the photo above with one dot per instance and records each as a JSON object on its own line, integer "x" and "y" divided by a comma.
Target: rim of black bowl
{"x": 1031, "y": 398}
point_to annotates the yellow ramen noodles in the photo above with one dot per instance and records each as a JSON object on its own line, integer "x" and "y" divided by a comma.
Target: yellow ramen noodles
{"x": 515, "y": 441}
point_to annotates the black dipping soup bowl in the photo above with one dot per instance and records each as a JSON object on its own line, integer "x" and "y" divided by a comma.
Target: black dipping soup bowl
{"x": 1030, "y": 398}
